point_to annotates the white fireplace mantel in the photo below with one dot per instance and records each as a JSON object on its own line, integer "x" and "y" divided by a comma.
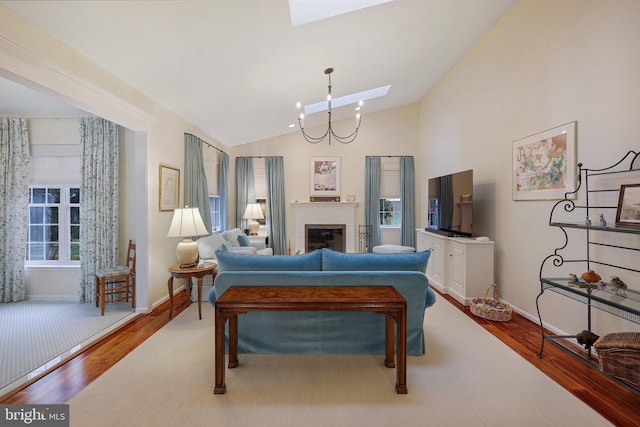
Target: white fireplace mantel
{"x": 324, "y": 213}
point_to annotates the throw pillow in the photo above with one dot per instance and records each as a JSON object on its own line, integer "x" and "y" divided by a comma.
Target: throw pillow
{"x": 232, "y": 236}
{"x": 243, "y": 239}
{"x": 207, "y": 246}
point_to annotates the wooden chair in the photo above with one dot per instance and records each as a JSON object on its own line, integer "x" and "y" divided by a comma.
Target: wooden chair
{"x": 117, "y": 283}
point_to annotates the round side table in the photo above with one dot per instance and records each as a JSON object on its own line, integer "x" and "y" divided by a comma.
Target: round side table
{"x": 188, "y": 273}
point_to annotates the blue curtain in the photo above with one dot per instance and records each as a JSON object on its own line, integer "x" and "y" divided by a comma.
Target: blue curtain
{"x": 244, "y": 187}
{"x": 14, "y": 206}
{"x": 408, "y": 201}
{"x": 372, "y": 200}
{"x": 223, "y": 191}
{"x": 99, "y": 148}
{"x": 274, "y": 171}
{"x": 196, "y": 194}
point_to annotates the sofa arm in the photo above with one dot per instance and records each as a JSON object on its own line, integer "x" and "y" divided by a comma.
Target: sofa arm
{"x": 259, "y": 241}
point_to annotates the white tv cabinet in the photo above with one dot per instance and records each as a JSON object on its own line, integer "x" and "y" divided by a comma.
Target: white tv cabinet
{"x": 460, "y": 266}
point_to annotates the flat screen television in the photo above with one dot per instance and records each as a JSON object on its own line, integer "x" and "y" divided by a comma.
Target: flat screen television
{"x": 450, "y": 204}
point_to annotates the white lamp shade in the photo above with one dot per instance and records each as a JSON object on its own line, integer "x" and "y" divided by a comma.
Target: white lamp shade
{"x": 187, "y": 222}
{"x": 253, "y": 211}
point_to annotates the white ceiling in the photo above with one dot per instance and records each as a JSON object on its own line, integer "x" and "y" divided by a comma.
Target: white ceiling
{"x": 236, "y": 68}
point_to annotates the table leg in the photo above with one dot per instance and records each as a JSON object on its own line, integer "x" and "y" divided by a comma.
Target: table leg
{"x": 388, "y": 342}
{"x": 401, "y": 369}
{"x": 170, "y": 286}
{"x": 200, "y": 297}
{"x": 220, "y": 386}
{"x": 233, "y": 342}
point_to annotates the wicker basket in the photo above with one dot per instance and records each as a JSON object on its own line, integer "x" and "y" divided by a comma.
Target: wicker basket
{"x": 491, "y": 308}
{"x": 619, "y": 356}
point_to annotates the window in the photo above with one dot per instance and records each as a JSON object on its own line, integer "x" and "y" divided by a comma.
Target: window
{"x": 390, "y": 212}
{"x": 54, "y": 225}
{"x": 214, "y": 207}
{"x": 390, "y": 202}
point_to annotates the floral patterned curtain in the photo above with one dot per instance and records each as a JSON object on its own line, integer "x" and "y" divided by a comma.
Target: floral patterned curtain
{"x": 14, "y": 206}
{"x": 98, "y": 201}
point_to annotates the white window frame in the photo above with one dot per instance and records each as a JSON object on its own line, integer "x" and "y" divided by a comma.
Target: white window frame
{"x": 214, "y": 207}
{"x": 64, "y": 226}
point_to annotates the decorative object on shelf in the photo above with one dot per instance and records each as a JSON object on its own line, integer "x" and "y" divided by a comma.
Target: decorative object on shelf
{"x": 169, "y": 188}
{"x": 575, "y": 281}
{"x": 603, "y": 222}
{"x": 619, "y": 356}
{"x": 544, "y": 164}
{"x": 187, "y": 223}
{"x": 330, "y": 132}
{"x": 325, "y": 176}
{"x": 586, "y": 338}
{"x": 491, "y": 308}
{"x": 628, "y": 212}
{"x": 591, "y": 276}
{"x": 587, "y": 221}
{"x": 253, "y": 212}
{"x": 618, "y": 285}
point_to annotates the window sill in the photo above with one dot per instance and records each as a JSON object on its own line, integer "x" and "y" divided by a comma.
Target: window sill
{"x": 52, "y": 266}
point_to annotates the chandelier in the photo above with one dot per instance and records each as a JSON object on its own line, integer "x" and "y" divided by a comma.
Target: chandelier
{"x": 330, "y": 132}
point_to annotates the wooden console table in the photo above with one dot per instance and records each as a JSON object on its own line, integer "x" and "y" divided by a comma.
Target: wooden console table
{"x": 188, "y": 273}
{"x": 378, "y": 299}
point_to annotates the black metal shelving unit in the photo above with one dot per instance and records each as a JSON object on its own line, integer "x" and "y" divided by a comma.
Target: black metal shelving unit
{"x": 621, "y": 303}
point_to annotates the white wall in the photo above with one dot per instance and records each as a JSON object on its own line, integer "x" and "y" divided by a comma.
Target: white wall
{"x": 545, "y": 63}
{"x": 31, "y": 57}
{"x": 388, "y": 133}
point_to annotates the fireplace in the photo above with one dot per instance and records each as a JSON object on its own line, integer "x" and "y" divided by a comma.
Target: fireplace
{"x": 318, "y": 236}
{"x": 324, "y": 213}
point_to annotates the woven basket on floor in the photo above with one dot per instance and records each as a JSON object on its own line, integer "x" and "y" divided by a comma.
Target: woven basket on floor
{"x": 619, "y": 356}
{"x": 491, "y": 308}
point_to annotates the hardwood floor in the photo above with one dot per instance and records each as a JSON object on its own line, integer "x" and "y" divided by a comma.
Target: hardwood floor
{"x": 616, "y": 403}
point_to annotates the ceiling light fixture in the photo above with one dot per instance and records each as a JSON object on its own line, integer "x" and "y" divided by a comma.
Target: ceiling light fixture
{"x": 330, "y": 132}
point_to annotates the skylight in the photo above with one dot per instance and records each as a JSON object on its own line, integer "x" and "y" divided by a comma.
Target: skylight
{"x": 347, "y": 99}
{"x": 305, "y": 11}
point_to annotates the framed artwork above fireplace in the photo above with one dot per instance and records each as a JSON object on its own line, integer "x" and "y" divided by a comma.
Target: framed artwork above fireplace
{"x": 325, "y": 176}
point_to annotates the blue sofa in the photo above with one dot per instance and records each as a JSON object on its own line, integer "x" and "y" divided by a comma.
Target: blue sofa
{"x": 326, "y": 332}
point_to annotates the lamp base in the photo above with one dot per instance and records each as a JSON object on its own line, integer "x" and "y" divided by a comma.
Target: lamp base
{"x": 187, "y": 252}
{"x": 253, "y": 228}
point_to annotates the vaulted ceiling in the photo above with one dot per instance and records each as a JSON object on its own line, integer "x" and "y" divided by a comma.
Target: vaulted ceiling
{"x": 236, "y": 68}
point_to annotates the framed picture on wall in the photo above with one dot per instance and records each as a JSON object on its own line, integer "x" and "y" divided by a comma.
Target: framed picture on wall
{"x": 628, "y": 213}
{"x": 325, "y": 176}
{"x": 169, "y": 188}
{"x": 544, "y": 164}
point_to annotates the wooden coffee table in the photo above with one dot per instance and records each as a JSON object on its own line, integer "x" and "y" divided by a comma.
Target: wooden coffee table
{"x": 378, "y": 299}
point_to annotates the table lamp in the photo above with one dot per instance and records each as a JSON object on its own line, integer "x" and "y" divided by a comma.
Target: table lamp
{"x": 187, "y": 223}
{"x": 253, "y": 212}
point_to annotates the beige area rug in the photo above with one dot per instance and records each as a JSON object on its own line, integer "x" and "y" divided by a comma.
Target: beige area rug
{"x": 467, "y": 378}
